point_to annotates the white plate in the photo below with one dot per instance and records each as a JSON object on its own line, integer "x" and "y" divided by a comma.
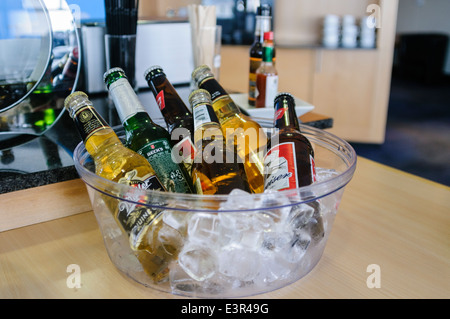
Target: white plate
{"x": 241, "y": 99}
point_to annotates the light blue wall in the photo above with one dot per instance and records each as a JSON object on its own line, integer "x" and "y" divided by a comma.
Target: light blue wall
{"x": 91, "y": 10}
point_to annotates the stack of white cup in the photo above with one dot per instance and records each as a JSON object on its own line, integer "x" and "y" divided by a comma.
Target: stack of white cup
{"x": 367, "y": 36}
{"x": 349, "y": 32}
{"x": 331, "y": 26}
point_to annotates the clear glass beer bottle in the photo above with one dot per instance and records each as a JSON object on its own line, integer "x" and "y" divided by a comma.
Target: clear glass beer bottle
{"x": 217, "y": 168}
{"x": 243, "y": 131}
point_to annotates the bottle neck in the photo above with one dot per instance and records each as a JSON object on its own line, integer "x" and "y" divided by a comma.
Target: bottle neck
{"x": 94, "y": 131}
{"x": 221, "y": 101}
{"x": 267, "y": 55}
{"x": 263, "y": 24}
{"x": 169, "y": 102}
{"x": 125, "y": 99}
{"x": 285, "y": 116}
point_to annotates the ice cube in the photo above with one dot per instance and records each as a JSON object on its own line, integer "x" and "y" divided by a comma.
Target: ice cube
{"x": 204, "y": 228}
{"x": 199, "y": 262}
{"x": 274, "y": 242}
{"x": 238, "y": 262}
{"x": 300, "y": 215}
{"x": 275, "y": 206}
{"x": 176, "y": 219}
{"x": 297, "y": 247}
{"x": 273, "y": 269}
{"x": 238, "y": 200}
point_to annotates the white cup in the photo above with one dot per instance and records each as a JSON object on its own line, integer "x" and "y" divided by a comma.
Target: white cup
{"x": 349, "y": 30}
{"x": 349, "y": 42}
{"x": 330, "y": 41}
{"x": 348, "y": 20}
{"x": 331, "y": 20}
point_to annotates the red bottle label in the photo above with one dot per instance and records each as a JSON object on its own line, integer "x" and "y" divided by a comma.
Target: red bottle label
{"x": 160, "y": 100}
{"x": 280, "y": 167}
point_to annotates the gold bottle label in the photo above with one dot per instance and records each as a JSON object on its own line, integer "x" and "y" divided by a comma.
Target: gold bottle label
{"x": 88, "y": 122}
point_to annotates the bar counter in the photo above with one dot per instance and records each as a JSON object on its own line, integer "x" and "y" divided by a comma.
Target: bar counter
{"x": 391, "y": 226}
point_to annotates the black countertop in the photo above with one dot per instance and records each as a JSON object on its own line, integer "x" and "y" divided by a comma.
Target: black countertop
{"x": 48, "y": 159}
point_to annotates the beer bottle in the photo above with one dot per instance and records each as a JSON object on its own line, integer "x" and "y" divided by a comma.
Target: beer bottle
{"x": 118, "y": 163}
{"x": 266, "y": 75}
{"x": 263, "y": 24}
{"x": 144, "y": 136}
{"x": 112, "y": 159}
{"x": 177, "y": 116}
{"x": 217, "y": 169}
{"x": 289, "y": 163}
{"x": 237, "y": 128}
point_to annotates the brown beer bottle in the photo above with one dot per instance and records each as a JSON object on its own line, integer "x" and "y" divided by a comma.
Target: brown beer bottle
{"x": 237, "y": 128}
{"x": 289, "y": 163}
{"x": 217, "y": 168}
{"x": 177, "y": 116}
{"x": 263, "y": 24}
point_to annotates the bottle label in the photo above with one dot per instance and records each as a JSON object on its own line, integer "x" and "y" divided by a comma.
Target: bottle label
{"x": 280, "y": 167}
{"x": 271, "y": 89}
{"x": 254, "y": 65}
{"x": 159, "y": 154}
{"x": 88, "y": 122}
{"x": 202, "y": 115}
{"x": 132, "y": 216}
{"x": 215, "y": 90}
{"x": 126, "y": 101}
{"x": 160, "y": 100}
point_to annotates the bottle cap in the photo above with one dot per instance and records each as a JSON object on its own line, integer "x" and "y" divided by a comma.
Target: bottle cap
{"x": 111, "y": 71}
{"x": 197, "y": 93}
{"x": 72, "y": 96}
{"x": 268, "y": 35}
{"x": 201, "y": 72}
{"x": 285, "y": 95}
{"x": 264, "y": 10}
{"x": 148, "y": 74}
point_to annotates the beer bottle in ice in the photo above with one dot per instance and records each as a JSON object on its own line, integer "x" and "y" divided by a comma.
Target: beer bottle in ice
{"x": 177, "y": 116}
{"x": 217, "y": 168}
{"x": 289, "y": 162}
{"x": 145, "y": 136}
{"x": 238, "y": 128}
{"x": 114, "y": 162}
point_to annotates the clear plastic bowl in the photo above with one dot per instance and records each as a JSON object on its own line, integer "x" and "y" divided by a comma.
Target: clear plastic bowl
{"x": 226, "y": 246}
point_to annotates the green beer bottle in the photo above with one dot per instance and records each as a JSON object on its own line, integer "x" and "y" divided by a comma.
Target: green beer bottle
{"x": 145, "y": 136}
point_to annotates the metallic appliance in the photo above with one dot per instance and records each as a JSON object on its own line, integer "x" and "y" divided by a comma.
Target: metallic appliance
{"x": 39, "y": 67}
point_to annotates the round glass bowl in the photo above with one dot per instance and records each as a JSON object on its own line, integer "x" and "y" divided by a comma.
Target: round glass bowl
{"x": 224, "y": 246}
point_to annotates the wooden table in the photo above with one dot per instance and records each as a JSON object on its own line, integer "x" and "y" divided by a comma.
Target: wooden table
{"x": 388, "y": 219}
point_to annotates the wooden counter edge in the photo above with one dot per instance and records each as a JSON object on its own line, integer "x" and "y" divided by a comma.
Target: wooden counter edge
{"x": 44, "y": 203}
